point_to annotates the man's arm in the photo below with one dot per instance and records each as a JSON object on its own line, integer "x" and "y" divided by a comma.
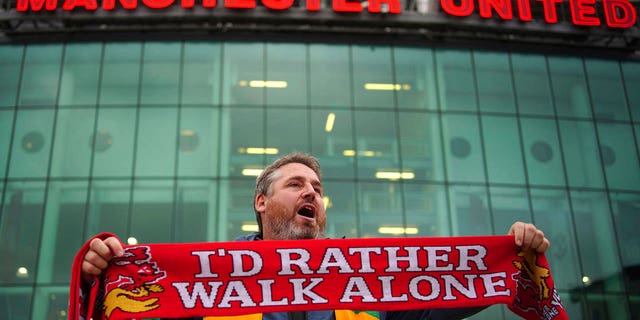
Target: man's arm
{"x": 98, "y": 257}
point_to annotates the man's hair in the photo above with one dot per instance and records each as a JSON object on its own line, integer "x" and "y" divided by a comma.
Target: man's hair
{"x": 270, "y": 174}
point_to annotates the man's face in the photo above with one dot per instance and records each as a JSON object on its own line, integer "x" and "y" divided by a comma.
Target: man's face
{"x": 293, "y": 207}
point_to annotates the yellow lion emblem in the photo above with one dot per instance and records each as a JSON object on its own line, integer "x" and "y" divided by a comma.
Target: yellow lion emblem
{"x": 537, "y": 274}
{"x": 126, "y": 300}
{"x": 129, "y": 282}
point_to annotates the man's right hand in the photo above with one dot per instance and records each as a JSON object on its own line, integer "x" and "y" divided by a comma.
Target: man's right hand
{"x": 98, "y": 257}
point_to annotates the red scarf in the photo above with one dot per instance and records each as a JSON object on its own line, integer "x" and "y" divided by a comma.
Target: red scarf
{"x": 234, "y": 278}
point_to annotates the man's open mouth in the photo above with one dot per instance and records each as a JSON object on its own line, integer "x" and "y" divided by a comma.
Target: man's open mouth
{"x": 307, "y": 211}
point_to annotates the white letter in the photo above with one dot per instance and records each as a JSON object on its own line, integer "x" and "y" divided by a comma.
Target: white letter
{"x": 299, "y": 291}
{"x": 412, "y": 258}
{"x": 433, "y": 258}
{"x": 413, "y": 288}
{"x": 205, "y": 266}
{"x": 365, "y": 258}
{"x": 387, "y": 290}
{"x": 241, "y": 294}
{"x": 490, "y": 285}
{"x": 238, "y": 265}
{"x": 189, "y": 299}
{"x": 302, "y": 262}
{"x": 267, "y": 296}
{"x": 451, "y": 281}
{"x": 477, "y": 258}
{"x": 333, "y": 257}
{"x": 362, "y": 291}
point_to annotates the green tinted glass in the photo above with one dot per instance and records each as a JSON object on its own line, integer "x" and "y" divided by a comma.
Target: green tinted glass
{"x": 80, "y": 74}
{"x": 31, "y": 144}
{"x": 160, "y": 74}
{"x": 73, "y": 143}
{"x": 120, "y": 81}
{"x": 495, "y": 84}
{"x": 503, "y": 150}
{"x": 532, "y": 88}
{"x": 455, "y": 80}
{"x": 462, "y": 149}
{"x": 41, "y": 75}
{"x": 10, "y": 63}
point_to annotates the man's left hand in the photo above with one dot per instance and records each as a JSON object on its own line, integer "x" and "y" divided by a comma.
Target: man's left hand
{"x": 527, "y": 236}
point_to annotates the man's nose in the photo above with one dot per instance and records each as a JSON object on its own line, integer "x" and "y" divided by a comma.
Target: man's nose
{"x": 309, "y": 192}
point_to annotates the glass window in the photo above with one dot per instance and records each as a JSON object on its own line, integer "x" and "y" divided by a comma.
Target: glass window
{"x": 463, "y": 154}
{"x": 631, "y": 78}
{"x": 63, "y": 230}
{"x": 329, "y": 78}
{"x": 552, "y": 214}
{"x": 160, "y": 73}
{"x": 619, "y": 156}
{"x": 152, "y": 211}
{"x": 415, "y": 74}
{"x": 243, "y": 74}
{"x": 120, "y": 73}
{"x": 243, "y": 136}
{"x": 195, "y": 216}
{"x": 495, "y": 85}
{"x": 637, "y": 130}
{"x": 580, "y": 150}
{"x": 6, "y": 126}
{"x": 508, "y": 205}
{"x": 113, "y": 142}
{"x": 599, "y": 252}
{"x": 340, "y": 202}
{"x": 201, "y": 73}
{"x": 10, "y": 62}
{"x": 627, "y": 220}
{"x": 421, "y": 145}
{"x": 373, "y": 82}
{"x": 426, "y": 210}
{"x": 287, "y": 131}
{"x": 532, "y": 84}
{"x": 606, "y": 89}
{"x": 109, "y": 208}
{"x": 20, "y": 225}
{"x": 569, "y": 87}
{"x": 502, "y": 150}
{"x": 470, "y": 214}
{"x": 156, "y": 142}
{"x": 380, "y": 207}
{"x": 15, "y": 302}
{"x": 286, "y": 65}
{"x": 73, "y": 143}
{"x": 80, "y": 74}
{"x": 332, "y": 142}
{"x": 542, "y": 152}
{"x": 236, "y": 215}
{"x": 50, "y": 302}
{"x": 455, "y": 80}
{"x": 41, "y": 75}
{"x": 31, "y": 144}
{"x": 376, "y": 144}
{"x": 198, "y": 142}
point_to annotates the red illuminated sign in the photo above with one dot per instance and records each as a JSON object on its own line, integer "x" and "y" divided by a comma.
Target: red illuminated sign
{"x": 617, "y": 13}
{"x": 374, "y": 6}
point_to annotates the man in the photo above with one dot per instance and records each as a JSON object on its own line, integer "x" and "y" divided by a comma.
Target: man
{"x": 288, "y": 205}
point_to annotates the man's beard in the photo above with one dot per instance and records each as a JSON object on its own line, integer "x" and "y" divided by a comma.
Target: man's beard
{"x": 286, "y": 229}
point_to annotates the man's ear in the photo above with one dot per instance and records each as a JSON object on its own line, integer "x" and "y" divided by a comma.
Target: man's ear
{"x": 259, "y": 203}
